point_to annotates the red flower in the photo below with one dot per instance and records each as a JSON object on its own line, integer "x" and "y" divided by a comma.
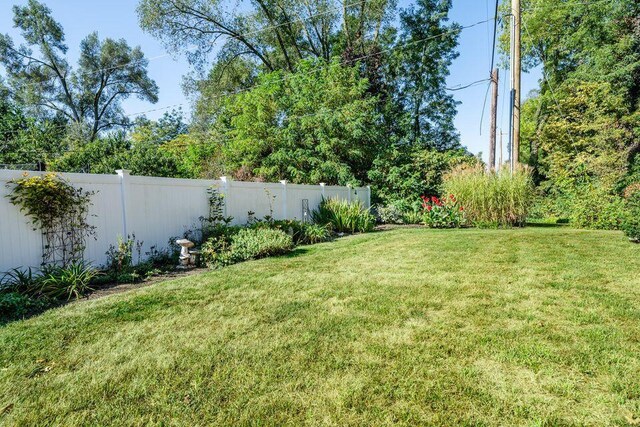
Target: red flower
{"x": 429, "y": 207}
{"x": 461, "y": 208}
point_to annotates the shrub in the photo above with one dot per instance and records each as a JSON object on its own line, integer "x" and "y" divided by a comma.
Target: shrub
{"x": 445, "y": 213}
{"x": 314, "y": 233}
{"x": 344, "y": 217}
{"x": 597, "y": 210}
{"x": 631, "y": 219}
{"x": 491, "y": 198}
{"x": 67, "y": 282}
{"x": 14, "y": 305}
{"x": 301, "y": 233}
{"x": 216, "y": 252}
{"x": 245, "y": 244}
{"x": 259, "y": 243}
{"x": 390, "y": 214}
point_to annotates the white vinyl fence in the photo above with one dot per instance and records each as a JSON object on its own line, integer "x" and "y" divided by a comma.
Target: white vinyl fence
{"x": 155, "y": 209}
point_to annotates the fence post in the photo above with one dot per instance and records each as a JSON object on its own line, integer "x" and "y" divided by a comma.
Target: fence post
{"x": 349, "y": 196}
{"x": 369, "y": 196}
{"x": 225, "y": 192}
{"x": 322, "y": 189}
{"x": 124, "y": 175}
{"x": 284, "y": 198}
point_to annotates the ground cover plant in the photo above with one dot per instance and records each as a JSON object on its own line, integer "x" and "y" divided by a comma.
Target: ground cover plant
{"x": 534, "y": 326}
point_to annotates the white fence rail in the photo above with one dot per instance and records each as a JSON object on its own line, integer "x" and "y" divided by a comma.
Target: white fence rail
{"x": 155, "y": 209}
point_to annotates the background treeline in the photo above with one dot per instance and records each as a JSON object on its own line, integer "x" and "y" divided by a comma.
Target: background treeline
{"x": 581, "y": 129}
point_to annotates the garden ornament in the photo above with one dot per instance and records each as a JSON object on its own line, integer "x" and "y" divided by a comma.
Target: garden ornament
{"x": 185, "y": 257}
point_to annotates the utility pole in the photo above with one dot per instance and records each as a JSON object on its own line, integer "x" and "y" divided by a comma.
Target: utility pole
{"x": 494, "y": 115}
{"x": 514, "y": 137}
{"x": 501, "y": 161}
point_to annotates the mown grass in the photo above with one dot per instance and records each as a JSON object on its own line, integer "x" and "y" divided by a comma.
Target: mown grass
{"x": 536, "y": 327}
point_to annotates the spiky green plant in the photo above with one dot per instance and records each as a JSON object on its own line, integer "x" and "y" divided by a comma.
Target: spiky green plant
{"x": 344, "y": 217}
{"x": 72, "y": 281}
{"x": 494, "y": 199}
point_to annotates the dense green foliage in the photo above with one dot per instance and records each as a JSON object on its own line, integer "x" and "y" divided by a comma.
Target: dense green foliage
{"x": 15, "y": 305}
{"x": 399, "y": 177}
{"x": 491, "y": 199}
{"x": 581, "y": 129}
{"x": 316, "y": 125}
{"x": 631, "y": 219}
{"x": 26, "y": 142}
{"x": 343, "y": 216}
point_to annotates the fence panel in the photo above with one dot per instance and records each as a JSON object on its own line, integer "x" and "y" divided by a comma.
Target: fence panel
{"x": 155, "y": 209}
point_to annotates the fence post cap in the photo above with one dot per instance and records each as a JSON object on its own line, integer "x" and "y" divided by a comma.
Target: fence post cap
{"x": 283, "y": 182}
{"x": 123, "y": 172}
{"x": 224, "y": 178}
{"x": 322, "y": 184}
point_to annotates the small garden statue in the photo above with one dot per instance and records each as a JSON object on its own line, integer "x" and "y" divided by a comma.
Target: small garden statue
{"x": 185, "y": 256}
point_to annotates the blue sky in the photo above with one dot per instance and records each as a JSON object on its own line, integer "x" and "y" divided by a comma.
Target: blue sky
{"x": 117, "y": 19}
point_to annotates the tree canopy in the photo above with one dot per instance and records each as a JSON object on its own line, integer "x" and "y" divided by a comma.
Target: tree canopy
{"x": 42, "y": 80}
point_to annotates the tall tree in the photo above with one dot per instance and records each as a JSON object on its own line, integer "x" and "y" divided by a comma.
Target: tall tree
{"x": 317, "y": 125}
{"x": 266, "y": 36}
{"x": 418, "y": 75}
{"x": 90, "y": 97}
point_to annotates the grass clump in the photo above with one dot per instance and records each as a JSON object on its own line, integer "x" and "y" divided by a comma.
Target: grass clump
{"x": 491, "y": 199}
{"x": 343, "y": 216}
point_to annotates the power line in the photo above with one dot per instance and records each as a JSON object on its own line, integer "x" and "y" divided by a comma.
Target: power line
{"x": 461, "y": 87}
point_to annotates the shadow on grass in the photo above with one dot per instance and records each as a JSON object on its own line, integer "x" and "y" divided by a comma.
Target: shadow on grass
{"x": 296, "y": 252}
{"x": 546, "y": 224}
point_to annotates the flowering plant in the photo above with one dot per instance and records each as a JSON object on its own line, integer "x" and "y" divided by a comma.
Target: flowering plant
{"x": 442, "y": 213}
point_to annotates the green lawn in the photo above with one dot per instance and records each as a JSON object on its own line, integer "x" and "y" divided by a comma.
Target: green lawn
{"x": 539, "y": 326}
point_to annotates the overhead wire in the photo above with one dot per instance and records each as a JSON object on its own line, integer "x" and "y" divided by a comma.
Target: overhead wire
{"x": 312, "y": 70}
